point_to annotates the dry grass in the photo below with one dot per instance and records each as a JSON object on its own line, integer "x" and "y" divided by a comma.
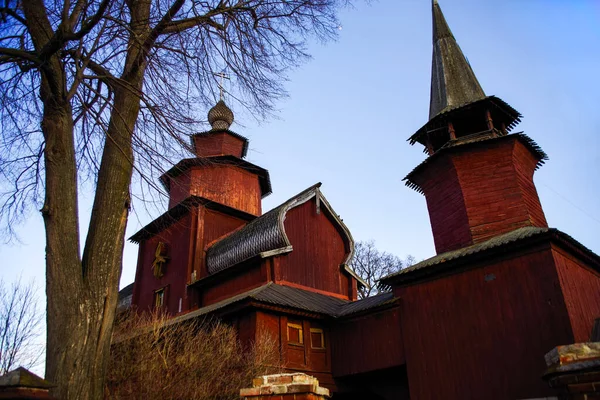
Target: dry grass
{"x": 193, "y": 360}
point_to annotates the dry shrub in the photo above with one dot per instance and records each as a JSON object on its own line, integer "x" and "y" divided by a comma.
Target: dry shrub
{"x": 196, "y": 359}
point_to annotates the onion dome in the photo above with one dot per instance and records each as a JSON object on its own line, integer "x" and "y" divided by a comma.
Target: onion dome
{"x": 220, "y": 116}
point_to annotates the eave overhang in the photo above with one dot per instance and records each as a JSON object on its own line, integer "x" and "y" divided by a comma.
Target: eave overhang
{"x": 501, "y": 112}
{"x": 467, "y": 143}
{"x": 181, "y": 210}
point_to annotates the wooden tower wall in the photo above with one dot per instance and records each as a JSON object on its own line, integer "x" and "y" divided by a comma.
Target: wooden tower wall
{"x": 479, "y": 191}
{"x": 224, "y": 184}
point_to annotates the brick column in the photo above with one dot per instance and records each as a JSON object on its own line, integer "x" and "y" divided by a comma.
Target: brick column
{"x": 22, "y": 384}
{"x": 574, "y": 371}
{"x": 285, "y": 387}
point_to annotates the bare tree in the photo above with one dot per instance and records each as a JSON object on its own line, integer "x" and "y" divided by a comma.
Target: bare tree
{"x": 104, "y": 92}
{"x": 196, "y": 359}
{"x": 372, "y": 265}
{"x": 20, "y": 322}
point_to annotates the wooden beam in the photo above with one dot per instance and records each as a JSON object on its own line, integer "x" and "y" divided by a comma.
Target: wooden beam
{"x": 451, "y": 131}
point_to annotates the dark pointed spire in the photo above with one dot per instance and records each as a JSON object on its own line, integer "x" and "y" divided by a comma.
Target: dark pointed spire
{"x": 453, "y": 82}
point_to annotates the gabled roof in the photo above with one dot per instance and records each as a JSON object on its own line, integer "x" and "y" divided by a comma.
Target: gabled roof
{"x": 445, "y": 262}
{"x": 294, "y": 298}
{"x": 266, "y": 234}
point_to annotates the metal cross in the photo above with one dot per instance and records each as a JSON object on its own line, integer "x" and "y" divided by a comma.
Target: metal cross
{"x": 222, "y": 75}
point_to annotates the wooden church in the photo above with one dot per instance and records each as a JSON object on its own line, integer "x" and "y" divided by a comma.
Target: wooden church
{"x": 472, "y": 322}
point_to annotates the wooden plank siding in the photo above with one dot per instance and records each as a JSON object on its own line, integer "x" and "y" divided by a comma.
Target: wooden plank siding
{"x": 224, "y": 184}
{"x": 249, "y": 276}
{"x": 581, "y": 289}
{"x": 483, "y": 333}
{"x": 446, "y": 206}
{"x": 368, "y": 343}
{"x": 174, "y": 280}
{"x": 218, "y": 144}
{"x": 303, "y": 358}
{"x": 214, "y": 226}
{"x": 319, "y": 250}
{"x": 476, "y": 193}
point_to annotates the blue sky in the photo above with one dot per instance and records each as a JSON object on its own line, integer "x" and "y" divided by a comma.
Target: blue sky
{"x": 353, "y": 106}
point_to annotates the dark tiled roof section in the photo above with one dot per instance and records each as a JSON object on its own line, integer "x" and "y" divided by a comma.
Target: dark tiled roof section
{"x": 277, "y": 295}
{"x": 126, "y": 291}
{"x": 446, "y": 260}
{"x": 185, "y": 164}
{"x": 265, "y": 233}
{"x": 301, "y": 299}
{"x": 365, "y": 304}
{"x": 475, "y": 139}
{"x": 502, "y": 112}
{"x": 232, "y": 133}
{"x": 179, "y": 211}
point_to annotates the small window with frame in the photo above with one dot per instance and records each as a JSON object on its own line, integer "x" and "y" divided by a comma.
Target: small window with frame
{"x": 159, "y": 298}
{"x": 294, "y": 334}
{"x": 317, "y": 339}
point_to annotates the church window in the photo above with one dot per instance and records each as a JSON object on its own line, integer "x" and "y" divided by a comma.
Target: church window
{"x": 159, "y": 298}
{"x": 294, "y": 334}
{"x": 317, "y": 339}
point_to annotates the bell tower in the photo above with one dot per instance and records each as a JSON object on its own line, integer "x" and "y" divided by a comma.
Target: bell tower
{"x": 478, "y": 177}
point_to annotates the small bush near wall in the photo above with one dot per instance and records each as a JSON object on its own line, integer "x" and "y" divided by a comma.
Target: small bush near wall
{"x": 151, "y": 359}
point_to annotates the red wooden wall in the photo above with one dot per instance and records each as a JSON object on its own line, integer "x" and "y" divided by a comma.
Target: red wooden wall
{"x": 483, "y": 333}
{"x": 315, "y": 362}
{"x": 581, "y": 288}
{"x": 211, "y": 225}
{"x": 446, "y": 206}
{"x": 493, "y": 185}
{"x": 174, "y": 280}
{"x": 319, "y": 250}
{"x": 217, "y": 144}
{"x": 368, "y": 343}
{"x": 249, "y": 276}
{"x": 224, "y": 184}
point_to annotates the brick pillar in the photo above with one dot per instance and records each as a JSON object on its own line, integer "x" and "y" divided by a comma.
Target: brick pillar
{"x": 22, "y": 384}
{"x": 285, "y": 387}
{"x": 574, "y": 371}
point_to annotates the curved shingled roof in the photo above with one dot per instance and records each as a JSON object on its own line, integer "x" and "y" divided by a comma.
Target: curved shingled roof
{"x": 266, "y": 235}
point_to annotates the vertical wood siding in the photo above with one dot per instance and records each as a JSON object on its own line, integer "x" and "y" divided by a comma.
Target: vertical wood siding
{"x": 218, "y": 144}
{"x": 250, "y": 275}
{"x": 483, "y": 333}
{"x": 581, "y": 288}
{"x": 319, "y": 250}
{"x": 224, "y": 184}
{"x": 214, "y": 225}
{"x": 177, "y": 238}
{"x": 369, "y": 343}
